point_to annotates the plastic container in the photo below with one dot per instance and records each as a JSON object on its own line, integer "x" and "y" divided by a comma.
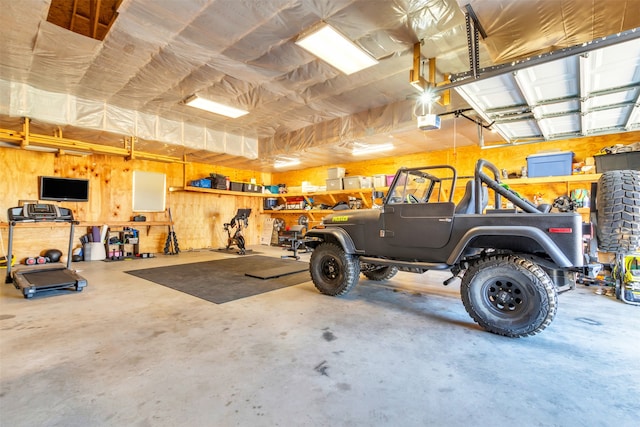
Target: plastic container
{"x": 202, "y": 183}
{"x": 334, "y": 173}
{"x": 248, "y": 187}
{"x": 379, "y": 180}
{"x": 549, "y": 164}
{"x": 270, "y": 203}
{"x": 619, "y": 161}
{"x": 352, "y": 182}
{"x": 94, "y": 251}
{"x": 334, "y": 184}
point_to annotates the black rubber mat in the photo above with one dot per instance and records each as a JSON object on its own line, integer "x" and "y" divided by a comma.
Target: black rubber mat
{"x": 284, "y": 270}
{"x": 224, "y": 280}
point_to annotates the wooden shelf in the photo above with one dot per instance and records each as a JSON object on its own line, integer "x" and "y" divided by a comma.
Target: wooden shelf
{"x": 302, "y": 211}
{"x": 569, "y": 181}
{"x": 361, "y": 191}
{"x": 222, "y": 192}
{"x": 123, "y": 223}
{"x": 592, "y": 177}
{"x": 364, "y": 194}
{"x": 39, "y": 224}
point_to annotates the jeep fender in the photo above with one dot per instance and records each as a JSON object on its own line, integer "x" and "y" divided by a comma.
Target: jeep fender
{"x": 530, "y": 232}
{"x": 333, "y": 234}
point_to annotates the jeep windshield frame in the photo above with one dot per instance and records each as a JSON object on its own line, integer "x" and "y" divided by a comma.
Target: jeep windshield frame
{"x": 426, "y": 184}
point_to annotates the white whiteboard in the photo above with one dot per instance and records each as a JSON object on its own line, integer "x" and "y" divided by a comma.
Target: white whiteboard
{"x": 149, "y": 191}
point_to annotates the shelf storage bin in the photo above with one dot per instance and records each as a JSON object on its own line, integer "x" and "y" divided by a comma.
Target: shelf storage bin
{"x": 334, "y": 184}
{"x": 379, "y": 181}
{"x": 352, "y": 182}
{"x": 549, "y": 164}
{"x": 248, "y": 187}
{"x": 202, "y": 183}
{"x": 334, "y": 173}
{"x": 618, "y": 161}
{"x": 236, "y": 186}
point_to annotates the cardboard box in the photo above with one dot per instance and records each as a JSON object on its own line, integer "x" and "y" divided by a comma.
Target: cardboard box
{"x": 549, "y": 164}
{"x": 334, "y": 184}
{"x": 352, "y": 182}
{"x": 334, "y": 173}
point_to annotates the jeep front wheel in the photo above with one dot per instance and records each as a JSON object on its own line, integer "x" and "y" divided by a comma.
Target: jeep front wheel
{"x": 509, "y": 295}
{"x": 333, "y": 271}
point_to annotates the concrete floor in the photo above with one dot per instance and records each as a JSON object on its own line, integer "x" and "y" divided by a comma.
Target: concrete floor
{"x": 126, "y": 352}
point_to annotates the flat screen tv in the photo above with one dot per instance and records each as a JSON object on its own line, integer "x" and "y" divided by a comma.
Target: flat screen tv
{"x": 64, "y": 189}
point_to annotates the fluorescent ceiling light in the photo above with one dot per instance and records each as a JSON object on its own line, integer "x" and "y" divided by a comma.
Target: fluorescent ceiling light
{"x": 286, "y": 162}
{"x": 368, "y": 149}
{"x": 328, "y": 44}
{"x": 41, "y": 149}
{"x": 214, "y": 107}
{"x": 9, "y": 145}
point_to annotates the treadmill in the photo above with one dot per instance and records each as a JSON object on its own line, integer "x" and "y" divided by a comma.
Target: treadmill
{"x": 31, "y": 279}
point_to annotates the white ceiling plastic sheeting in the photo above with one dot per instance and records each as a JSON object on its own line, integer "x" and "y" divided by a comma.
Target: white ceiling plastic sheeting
{"x": 242, "y": 53}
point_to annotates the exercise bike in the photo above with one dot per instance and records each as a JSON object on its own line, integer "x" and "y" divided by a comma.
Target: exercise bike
{"x": 239, "y": 222}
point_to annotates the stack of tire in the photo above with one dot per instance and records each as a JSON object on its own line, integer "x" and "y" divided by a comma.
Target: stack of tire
{"x": 618, "y": 211}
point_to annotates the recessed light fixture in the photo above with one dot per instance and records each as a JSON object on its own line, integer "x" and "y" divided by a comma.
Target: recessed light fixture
{"x": 328, "y": 44}
{"x": 368, "y": 149}
{"x": 285, "y": 162}
{"x": 214, "y": 107}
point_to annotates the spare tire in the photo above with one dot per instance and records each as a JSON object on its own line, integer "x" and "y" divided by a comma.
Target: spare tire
{"x": 618, "y": 211}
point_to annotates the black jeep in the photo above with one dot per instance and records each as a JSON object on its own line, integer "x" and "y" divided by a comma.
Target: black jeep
{"x": 513, "y": 260}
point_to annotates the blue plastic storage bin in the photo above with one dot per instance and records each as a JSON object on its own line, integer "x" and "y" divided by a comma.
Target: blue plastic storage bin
{"x": 549, "y": 164}
{"x": 202, "y": 183}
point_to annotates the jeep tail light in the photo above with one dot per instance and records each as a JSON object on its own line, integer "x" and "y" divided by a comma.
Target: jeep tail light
{"x": 561, "y": 230}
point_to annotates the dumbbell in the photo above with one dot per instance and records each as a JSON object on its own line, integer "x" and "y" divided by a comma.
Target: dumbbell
{"x": 35, "y": 260}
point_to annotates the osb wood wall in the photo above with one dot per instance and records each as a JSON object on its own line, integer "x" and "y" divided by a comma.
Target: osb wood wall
{"x": 198, "y": 217}
{"x": 464, "y": 159}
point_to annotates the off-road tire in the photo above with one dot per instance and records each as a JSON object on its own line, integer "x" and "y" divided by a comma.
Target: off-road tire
{"x": 333, "y": 271}
{"x": 382, "y": 273}
{"x": 618, "y": 211}
{"x": 509, "y": 296}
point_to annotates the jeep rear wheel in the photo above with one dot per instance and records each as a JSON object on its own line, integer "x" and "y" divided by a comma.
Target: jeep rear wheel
{"x": 509, "y": 295}
{"x": 381, "y": 273}
{"x": 333, "y": 271}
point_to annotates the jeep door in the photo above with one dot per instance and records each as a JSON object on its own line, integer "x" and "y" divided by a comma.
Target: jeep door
{"x": 417, "y": 225}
